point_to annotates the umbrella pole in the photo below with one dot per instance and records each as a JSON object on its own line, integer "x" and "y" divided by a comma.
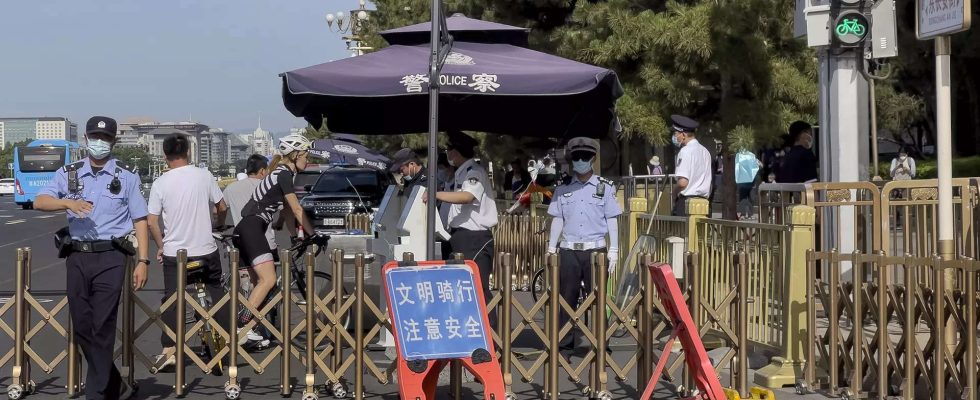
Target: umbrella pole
{"x": 434, "y": 69}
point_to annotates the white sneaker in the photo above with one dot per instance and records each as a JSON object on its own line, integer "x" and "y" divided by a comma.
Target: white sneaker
{"x": 170, "y": 362}
{"x": 251, "y": 336}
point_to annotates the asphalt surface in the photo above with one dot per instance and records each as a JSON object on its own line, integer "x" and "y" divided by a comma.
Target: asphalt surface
{"x": 34, "y": 229}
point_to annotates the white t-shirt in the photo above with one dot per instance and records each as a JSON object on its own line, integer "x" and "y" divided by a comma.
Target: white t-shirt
{"x": 183, "y": 197}
{"x": 694, "y": 163}
{"x": 481, "y": 214}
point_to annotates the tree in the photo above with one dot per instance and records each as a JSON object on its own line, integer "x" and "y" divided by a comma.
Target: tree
{"x": 314, "y": 134}
{"x": 7, "y": 158}
{"x": 137, "y": 156}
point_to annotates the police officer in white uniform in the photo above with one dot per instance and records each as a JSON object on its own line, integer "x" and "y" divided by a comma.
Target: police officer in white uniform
{"x": 472, "y": 211}
{"x": 584, "y": 211}
{"x": 693, "y": 167}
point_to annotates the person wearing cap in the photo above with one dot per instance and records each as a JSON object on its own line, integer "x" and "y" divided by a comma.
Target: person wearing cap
{"x": 472, "y": 210}
{"x": 693, "y": 166}
{"x": 409, "y": 165}
{"x": 584, "y": 211}
{"x": 102, "y": 199}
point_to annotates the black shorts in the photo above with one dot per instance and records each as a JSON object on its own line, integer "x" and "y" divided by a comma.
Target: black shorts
{"x": 251, "y": 241}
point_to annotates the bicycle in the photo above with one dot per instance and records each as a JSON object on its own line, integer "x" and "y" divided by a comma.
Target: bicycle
{"x": 211, "y": 341}
{"x": 322, "y": 281}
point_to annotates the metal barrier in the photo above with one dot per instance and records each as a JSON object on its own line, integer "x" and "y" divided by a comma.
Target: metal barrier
{"x": 880, "y": 338}
{"x": 359, "y": 222}
{"x": 333, "y": 354}
{"x": 897, "y": 217}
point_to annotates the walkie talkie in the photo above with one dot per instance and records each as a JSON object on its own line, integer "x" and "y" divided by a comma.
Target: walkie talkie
{"x": 74, "y": 186}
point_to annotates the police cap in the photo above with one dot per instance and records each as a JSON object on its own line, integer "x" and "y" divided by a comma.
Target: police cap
{"x": 582, "y": 144}
{"x": 103, "y": 125}
{"x": 402, "y": 157}
{"x": 680, "y": 123}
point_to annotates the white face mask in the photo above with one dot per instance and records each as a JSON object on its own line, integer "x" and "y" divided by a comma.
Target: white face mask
{"x": 582, "y": 167}
{"x": 99, "y": 149}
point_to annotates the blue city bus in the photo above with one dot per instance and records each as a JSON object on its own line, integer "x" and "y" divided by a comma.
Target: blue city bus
{"x": 36, "y": 164}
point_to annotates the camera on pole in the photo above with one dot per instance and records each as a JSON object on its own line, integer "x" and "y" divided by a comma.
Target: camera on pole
{"x": 850, "y": 25}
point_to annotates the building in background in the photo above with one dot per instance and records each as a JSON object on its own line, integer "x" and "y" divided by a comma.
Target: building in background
{"x": 153, "y": 140}
{"x": 215, "y": 147}
{"x": 238, "y": 149}
{"x": 150, "y": 134}
{"x": 261, "y": 141}
{"x": 16, "y": 130}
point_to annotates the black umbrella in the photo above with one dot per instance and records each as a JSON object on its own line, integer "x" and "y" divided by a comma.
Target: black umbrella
{"x": 348, "y": 150}
{"x": 497, "y": 88}
{"x": 463, "y": 29}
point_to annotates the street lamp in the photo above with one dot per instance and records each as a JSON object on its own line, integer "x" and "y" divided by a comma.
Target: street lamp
{"x": 350, "y": 25}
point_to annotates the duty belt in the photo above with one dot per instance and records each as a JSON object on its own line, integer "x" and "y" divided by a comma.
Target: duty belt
{"x": 95, "y": 246}
{"x": 581, "y": 246}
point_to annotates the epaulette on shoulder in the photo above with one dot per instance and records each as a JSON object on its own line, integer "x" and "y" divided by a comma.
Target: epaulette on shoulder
{"x": 73, "y": 166}
{"x": 606, "y": 181}
{"x": 125, "y": 166}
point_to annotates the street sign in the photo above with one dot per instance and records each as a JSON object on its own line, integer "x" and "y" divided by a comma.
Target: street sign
{"x": 436, "y": 311}
{"x": 941, "y": 17}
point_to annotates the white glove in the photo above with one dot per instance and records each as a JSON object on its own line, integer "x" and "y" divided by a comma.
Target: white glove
{"x": 552, "y": 250}
{"x": 613, "y": 257}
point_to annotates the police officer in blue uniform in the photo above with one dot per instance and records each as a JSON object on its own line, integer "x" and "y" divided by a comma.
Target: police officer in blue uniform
{"x": 101, "y": 197}
{"x": 584, "y": 211}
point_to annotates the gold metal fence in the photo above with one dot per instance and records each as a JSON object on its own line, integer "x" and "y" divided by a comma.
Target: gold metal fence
{"x": 331, "y": 335}
{"x": 881, "y": 337}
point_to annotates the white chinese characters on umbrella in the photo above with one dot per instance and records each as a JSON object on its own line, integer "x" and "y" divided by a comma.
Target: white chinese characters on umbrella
{"x": 484, "y": 82}
{"x": 413, "y": 83}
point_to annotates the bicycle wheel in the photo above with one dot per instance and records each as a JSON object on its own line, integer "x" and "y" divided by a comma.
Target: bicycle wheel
{"x": 322, "y": 285}
{"x": 538, "y": 285}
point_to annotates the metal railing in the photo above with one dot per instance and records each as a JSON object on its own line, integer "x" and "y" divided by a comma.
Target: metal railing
{"x": 328, "y": 334}
{"x": 883, "y": 339}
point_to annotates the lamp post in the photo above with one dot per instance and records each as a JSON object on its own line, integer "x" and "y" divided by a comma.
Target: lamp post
{"x": 350, "y": 26}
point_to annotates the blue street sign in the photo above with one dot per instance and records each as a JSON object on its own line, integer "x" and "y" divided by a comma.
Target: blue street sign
{"x": 436, "y": 312}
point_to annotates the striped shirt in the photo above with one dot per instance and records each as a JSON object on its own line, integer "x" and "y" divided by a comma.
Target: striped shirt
{"x": 270, "y": 194}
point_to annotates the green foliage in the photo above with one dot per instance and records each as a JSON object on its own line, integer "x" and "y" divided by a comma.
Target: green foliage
{"x": 136, "y": 156}
{"x": 963, "y": 167}
{"x": 314, "y": 134}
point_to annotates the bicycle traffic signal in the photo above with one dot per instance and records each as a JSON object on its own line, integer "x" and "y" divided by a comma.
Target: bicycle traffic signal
{"x": 850, "y": 24}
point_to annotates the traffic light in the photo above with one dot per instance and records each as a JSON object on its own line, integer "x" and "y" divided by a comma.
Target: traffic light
{"x": 850, "y": 25}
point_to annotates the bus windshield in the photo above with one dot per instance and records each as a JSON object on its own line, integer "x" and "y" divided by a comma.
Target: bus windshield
{"x": 41, "y": 159}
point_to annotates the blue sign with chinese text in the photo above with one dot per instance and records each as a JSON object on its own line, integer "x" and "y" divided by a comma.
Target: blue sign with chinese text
{"x": 436, "y": 312}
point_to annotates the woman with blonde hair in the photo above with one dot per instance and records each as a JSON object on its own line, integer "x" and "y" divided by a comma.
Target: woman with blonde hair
{"x": 270, "y": 196}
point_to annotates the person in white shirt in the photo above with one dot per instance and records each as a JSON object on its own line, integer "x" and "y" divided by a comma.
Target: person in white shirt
{"x": 903, "y": 166}
{"x": 693, "y": 167}
{"x": 472, "y": 210}
{"x": 183, "y": 197}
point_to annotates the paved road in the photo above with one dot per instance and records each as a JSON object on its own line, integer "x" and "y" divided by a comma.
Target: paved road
{"x": 28, "y": 228}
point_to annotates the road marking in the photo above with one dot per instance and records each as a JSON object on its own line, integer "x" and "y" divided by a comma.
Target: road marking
{"x": 16, "y": 221}
{"x": 6, "y": 216}
{"x": 46, "y": 216}
{"x": 36, "y": 270}
{"x": 24, "y": 240}
{"x": 4, "y": 300}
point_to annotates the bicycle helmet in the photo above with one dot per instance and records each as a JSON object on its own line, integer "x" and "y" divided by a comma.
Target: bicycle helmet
{"x": 291, "y": 143}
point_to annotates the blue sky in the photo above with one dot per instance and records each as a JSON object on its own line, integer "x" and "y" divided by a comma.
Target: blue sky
{"x": 215, "y": 60}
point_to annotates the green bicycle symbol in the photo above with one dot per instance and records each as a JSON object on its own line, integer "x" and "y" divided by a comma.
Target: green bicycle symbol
{"x": 850, "y": 26}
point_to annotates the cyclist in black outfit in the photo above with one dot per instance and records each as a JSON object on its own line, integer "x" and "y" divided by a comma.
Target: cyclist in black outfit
{"x": 269, "y": 197}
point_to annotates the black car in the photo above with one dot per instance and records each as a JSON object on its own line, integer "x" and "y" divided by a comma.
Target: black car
{"x": 341, "y": 191}
{"x": 305, "y": 179}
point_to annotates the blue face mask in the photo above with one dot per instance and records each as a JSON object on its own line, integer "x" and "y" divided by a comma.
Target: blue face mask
{"x": 99, "y": 149}
{"x": 582, "y": 167}
{"x": 673, "y": 139}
